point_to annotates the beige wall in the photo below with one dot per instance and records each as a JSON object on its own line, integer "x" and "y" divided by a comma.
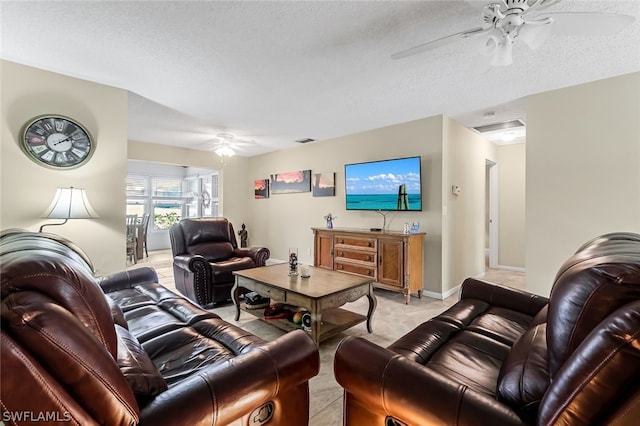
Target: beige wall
{"x": 284, "y": 220}
{"x": 583, "y": 170}
{"x": 27, "y": 188}
{"x": 511, "y": 210}
{"x": 464, "y": 164}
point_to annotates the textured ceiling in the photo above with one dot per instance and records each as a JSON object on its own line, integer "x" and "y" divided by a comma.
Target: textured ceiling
{"x": 275, "y": 72}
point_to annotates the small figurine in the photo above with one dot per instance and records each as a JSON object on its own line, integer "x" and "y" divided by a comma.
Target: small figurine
{"x": 243, "y": 236}
{"x": 293, "y": 262}
{"x": 330, "y": 218}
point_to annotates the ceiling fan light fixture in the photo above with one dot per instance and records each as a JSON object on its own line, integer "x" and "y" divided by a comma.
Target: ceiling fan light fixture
{"x": 504, "y": 53}
{"x": 225, "y": 151}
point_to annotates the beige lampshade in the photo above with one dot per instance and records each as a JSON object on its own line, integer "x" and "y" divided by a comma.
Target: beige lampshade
{"x": 70, "y": 203}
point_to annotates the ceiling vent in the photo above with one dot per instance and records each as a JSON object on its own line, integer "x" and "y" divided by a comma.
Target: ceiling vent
{"x": 512, "y": 124}
{"x": 305, "y": 140}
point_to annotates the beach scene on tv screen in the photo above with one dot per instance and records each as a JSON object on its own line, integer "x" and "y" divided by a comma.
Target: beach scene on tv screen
{"x": 384, "y": 185}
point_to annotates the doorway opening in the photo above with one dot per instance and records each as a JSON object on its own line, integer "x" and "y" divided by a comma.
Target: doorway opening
{"x": 491, "y": 214}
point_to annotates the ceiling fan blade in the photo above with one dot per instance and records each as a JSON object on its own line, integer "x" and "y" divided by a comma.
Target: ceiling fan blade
{"x": 439, "y": 42}
{"x": 541, "y": 4}
{"x": 486, "y": 45}
{"x": 535, "y": 33}
{"x": 243, "y": 143}
{"x": 588, "y": 23}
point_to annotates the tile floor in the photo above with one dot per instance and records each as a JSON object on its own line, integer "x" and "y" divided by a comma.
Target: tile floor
{"x": 391, "y": 320}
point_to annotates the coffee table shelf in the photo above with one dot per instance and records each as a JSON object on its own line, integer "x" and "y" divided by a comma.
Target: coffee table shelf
{"x": 334, "y": 321}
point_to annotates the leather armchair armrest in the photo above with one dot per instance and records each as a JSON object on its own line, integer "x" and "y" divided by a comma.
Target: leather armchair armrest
{"x": 229, "y": 390}
{"x": 190, "y": 262}
{"x": 506, "y": 297}
{"x": 258, "y": 254}
{"x": 128, "y": 279}
{"x": 389, "y": 384}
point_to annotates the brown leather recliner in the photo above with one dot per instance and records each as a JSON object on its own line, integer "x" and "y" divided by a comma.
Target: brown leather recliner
{"x": 205, "y": 254}
{"x": 500, "y": 356}
{"x": 124, "y": 350}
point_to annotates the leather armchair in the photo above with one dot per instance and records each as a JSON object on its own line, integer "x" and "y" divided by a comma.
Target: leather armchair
{"x": 205, "y": 254}
{"x": 501, "y": 356}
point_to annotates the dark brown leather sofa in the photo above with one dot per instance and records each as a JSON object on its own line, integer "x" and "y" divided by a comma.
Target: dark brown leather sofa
{"x": 500, "y": 356}
{"x": 124, "y": 350}
{"x": 205, "y": 254}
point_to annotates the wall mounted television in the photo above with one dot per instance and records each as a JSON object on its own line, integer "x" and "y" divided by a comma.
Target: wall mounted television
{"x": 385, "y": 185}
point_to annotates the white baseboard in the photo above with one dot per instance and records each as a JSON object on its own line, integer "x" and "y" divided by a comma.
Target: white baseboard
{"x": 510, "y": 268}
{"x": 441, "y": 296}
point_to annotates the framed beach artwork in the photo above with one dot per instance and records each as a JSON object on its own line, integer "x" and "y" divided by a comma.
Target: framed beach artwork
{"x": 261, "y": 188}
{"x": 324, "y": 185}
{"x": 290, "y": 182}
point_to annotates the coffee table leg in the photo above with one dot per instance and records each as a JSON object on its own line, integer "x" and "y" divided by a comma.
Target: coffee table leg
{"x": 316, "y": 323}
{"x": 235, "y": 296}
{"x": 373, "y": 302}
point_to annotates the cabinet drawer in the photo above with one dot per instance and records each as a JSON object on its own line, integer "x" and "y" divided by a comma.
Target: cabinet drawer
{"x": 363, "y": 256}
{"x": 364, "y": 242}
{"x": 356, "y": 269}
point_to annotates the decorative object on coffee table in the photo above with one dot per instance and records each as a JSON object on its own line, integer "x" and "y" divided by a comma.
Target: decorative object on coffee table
{"x": 293, "y": 261}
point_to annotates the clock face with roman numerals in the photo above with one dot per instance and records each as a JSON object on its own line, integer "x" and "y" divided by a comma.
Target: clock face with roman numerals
{"x": 57, "y": 141}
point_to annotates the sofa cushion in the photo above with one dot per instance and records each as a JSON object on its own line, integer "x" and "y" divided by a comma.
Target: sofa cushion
{"x": 524, "y": 376}
{"x": 143, "y": 377}
{"x": 213, "y": 251}
{"x": 147, "y": 322}
{"x": 471, "y": 359}
{"x": 182, "y": 352}
{"x": 222, "y": 271}
{"x": 140, "y": 295}
{"x": 501, "y": 324}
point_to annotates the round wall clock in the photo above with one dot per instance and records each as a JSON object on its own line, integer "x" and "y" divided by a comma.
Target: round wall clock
{"x": 57, "y": 141}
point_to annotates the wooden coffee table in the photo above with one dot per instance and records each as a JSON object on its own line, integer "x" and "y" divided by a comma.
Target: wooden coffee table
{"x": 322, "y": 294}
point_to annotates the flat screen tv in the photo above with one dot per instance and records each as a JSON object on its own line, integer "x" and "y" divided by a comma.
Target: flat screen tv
{"x": 389, "y": 185}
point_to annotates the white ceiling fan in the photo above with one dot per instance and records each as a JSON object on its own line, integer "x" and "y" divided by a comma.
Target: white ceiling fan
{"x": 227, "y": 144}
{"x": 508, "y": 21}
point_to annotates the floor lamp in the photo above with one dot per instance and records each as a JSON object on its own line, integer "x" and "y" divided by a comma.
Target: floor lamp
{"x": 69, "y": 203}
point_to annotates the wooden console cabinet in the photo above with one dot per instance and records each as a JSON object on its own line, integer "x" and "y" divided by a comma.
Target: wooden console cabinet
{"x": 393, "y": 259}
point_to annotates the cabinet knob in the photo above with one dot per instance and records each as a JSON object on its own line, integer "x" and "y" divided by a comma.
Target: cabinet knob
{"x": 340, "y": 267}
{"x": 369, "y": 272}
{"x": 369, "y": 244}
{"x": 369, "y": 258}
{"x": 341, "y": 254}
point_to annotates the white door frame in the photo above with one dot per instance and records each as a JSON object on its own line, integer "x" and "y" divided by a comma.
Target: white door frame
{"x": 493, "y": 214}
